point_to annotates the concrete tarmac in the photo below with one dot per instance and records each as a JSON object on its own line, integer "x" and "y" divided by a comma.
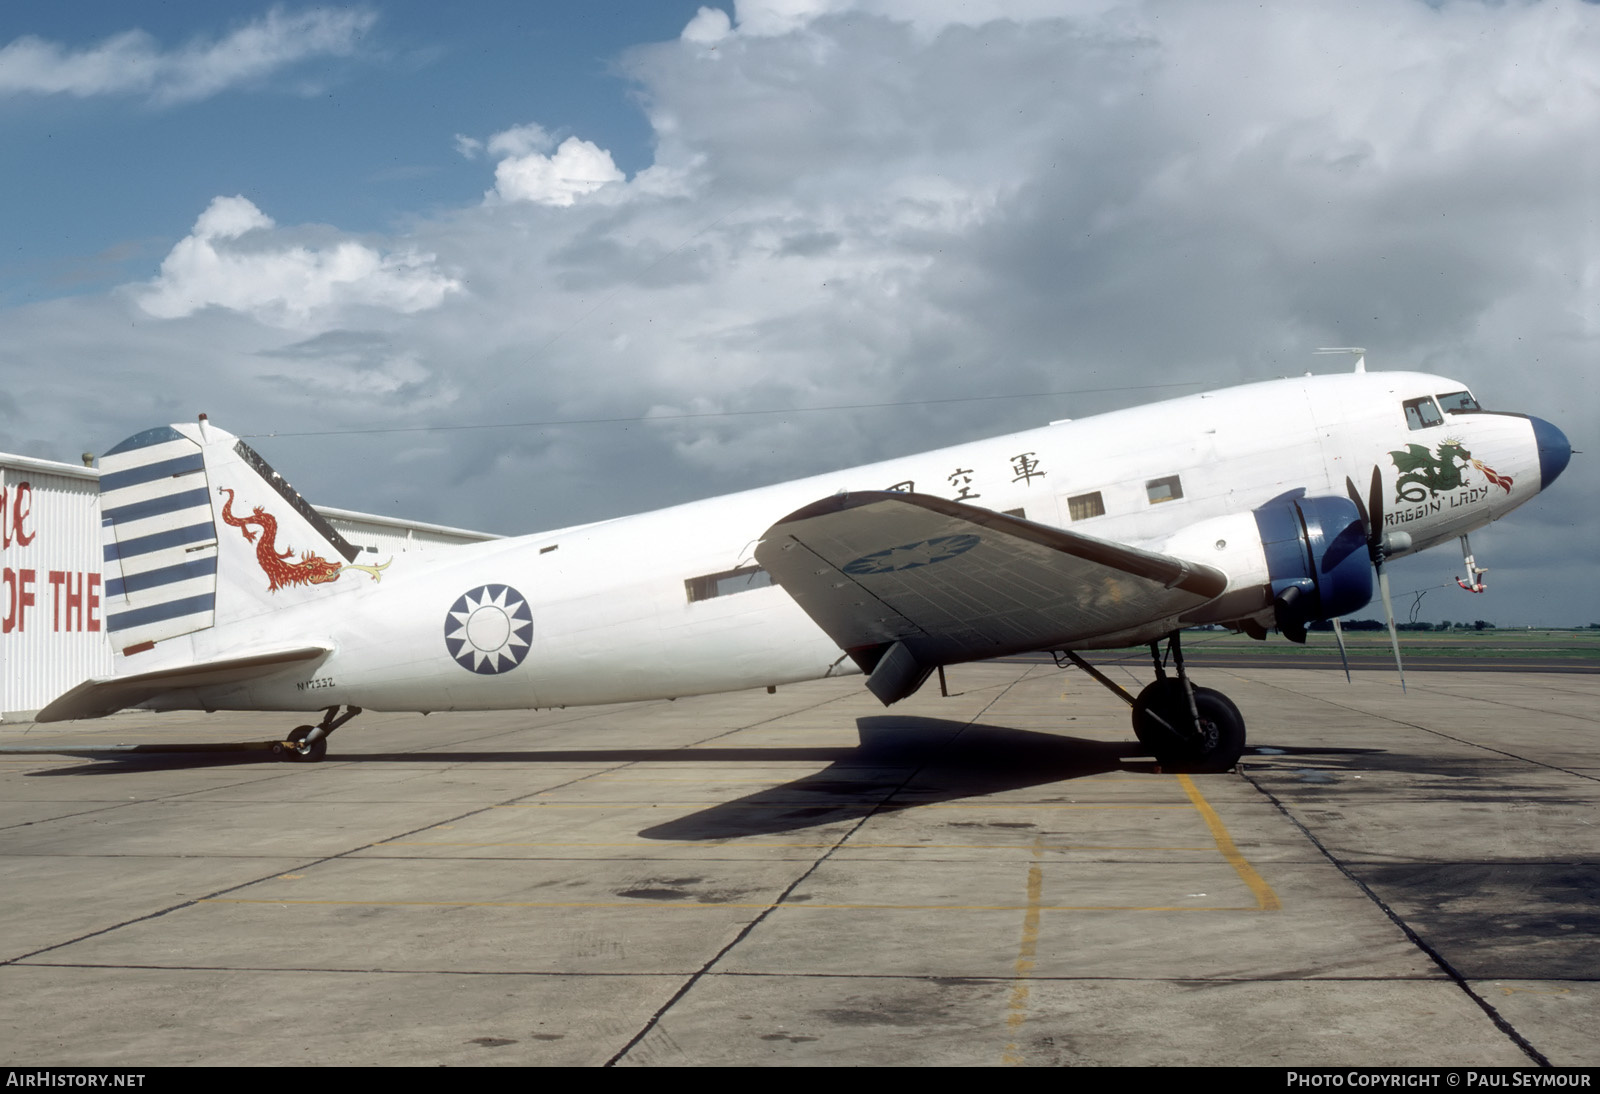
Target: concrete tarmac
{"x": 993, "y": 878}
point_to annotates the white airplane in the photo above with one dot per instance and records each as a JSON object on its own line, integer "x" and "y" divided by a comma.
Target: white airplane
{"x": 1261, "y": 506}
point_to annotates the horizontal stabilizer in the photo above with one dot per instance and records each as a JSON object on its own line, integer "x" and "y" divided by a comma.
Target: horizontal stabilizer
{"x": 953, "y": 582}
{"x": 108, "y": 694}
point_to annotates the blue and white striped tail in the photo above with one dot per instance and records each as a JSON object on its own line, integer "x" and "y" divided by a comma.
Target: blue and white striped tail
{"x": 159, "y": 537}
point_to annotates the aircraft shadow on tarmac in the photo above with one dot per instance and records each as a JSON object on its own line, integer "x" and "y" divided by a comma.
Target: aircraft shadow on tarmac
{"x": 901, "y": 763}
{"x": 912, "y": 760}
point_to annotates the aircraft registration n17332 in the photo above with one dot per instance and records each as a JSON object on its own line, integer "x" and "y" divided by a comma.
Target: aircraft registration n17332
{"x": 1265, "y": 506}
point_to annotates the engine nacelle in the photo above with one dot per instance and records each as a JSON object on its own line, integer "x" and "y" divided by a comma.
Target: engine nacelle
{"x": 1317, "y": 559}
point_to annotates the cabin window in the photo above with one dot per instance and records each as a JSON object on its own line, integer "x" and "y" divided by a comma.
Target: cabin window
{"x": 726, "y": 583}
{"x": 1422, "y": 413}
{"x": 1085, "y": 506}
{"x": 1020, "y": 514}
{"x": 1167, "y": 489}
{"x": 1459, "y": 402}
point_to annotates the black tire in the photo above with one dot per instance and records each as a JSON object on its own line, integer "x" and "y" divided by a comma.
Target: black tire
{"x": 1220, "y": 722}
{"x": 318, "y": 749}
{"x": 1163, "y": 695}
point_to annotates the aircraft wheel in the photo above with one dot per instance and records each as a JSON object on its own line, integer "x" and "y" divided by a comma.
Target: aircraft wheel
{"x": 1220, "y": 722}
{"x": 318, "y": 749}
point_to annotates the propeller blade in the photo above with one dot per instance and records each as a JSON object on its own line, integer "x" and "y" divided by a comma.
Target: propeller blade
{"x": 1338, "y": 634}
{"x": 1361, "y": 506}
{"x": 1375, "y": 509}
{"x": 1388, "y": 614}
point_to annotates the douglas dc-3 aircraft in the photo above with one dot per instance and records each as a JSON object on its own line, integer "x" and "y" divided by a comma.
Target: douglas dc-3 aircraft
{"x": 1262, "y": 506}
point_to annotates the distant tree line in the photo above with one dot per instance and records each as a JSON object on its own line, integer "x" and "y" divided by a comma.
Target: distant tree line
{"x": 1379, "y": 625}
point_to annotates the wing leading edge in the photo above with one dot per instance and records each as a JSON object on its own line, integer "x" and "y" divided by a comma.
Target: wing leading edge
{"x": 907, "y": 582}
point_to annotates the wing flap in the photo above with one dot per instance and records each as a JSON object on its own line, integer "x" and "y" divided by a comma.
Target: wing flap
{"x": 954, "y": 582}
{"x": 107, "y": 694}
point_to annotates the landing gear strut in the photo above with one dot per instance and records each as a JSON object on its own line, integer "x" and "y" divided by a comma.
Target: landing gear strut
{"x": 1186, "y": 728}
{"x": 308, "y": 744}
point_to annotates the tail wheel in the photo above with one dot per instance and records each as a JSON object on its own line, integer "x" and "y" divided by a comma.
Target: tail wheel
{"x": 301, "y": 752}
{"x": 1221, "y": 738}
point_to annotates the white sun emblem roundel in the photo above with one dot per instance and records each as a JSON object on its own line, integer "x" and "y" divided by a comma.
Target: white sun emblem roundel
{"x": 488, "y": 630}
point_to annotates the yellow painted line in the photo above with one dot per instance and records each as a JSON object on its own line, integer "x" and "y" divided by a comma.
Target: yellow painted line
{"x": 668, "y": 905}
{"x": 1266, "y": 899}
{"x": 1508, "y": 990}
{"x": 1027, "y": 950}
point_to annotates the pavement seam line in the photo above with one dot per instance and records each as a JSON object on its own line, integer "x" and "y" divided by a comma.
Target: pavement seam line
{"x": 216, "y": 895}
{"x": 1434, "y": 732}
{"x": 1412, "y": 935}
{"x": 655, "y": 1019}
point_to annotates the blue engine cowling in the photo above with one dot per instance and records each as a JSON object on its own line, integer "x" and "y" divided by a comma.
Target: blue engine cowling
{"x": 1317, "y": 559}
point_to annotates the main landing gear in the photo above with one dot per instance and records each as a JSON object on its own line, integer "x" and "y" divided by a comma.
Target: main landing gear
{"x": 1186, "y": 728}
{"x": 308, "y": 744}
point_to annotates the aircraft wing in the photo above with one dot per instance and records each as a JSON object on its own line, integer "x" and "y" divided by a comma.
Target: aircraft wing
{"x": 906, "y": 582}
{"x": 108, "y": 694}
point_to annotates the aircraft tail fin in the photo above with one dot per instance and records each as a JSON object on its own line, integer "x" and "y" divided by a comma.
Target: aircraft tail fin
{"x": 158, "y": 538}
{"x": 199, "y": 531}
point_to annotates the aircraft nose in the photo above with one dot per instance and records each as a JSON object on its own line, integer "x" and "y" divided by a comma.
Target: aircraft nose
{"x": 1554, "y": 451}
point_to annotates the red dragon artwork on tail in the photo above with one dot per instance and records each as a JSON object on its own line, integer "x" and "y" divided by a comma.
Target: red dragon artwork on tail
{"x": 312, "y": 569}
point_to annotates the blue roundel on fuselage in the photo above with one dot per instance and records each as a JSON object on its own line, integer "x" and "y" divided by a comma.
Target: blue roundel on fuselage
{"x": 488, "y": 630}
{"x": 908, "y": 556}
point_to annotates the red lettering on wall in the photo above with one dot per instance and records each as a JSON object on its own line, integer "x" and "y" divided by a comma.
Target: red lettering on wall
{"x": 74, "y": 612}
{"x": 25, "y": 597}
{"x": 56, "y": 578}
{"x": 19, "y": 598}
{"x": 16, "y": 507}
{"x": 74, "y": 594}
{"x": 74, "y": 600}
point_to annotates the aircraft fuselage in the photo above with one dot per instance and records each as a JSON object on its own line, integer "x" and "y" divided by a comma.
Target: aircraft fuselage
{"x": 671, "y": 602}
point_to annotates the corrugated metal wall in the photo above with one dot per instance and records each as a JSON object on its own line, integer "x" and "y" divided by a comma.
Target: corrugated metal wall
{"x": 52, "y": 630}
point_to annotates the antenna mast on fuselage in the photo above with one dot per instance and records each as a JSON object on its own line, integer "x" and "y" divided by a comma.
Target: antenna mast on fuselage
{"x": 1360, "y": 352}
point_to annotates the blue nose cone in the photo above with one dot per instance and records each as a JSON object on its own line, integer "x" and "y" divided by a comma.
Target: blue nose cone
{"x": 1554, "y": 451}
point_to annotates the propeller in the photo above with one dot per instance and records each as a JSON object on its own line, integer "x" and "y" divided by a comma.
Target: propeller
{"x": 1338, "y": 636}
{"x": 1379, "y": 547}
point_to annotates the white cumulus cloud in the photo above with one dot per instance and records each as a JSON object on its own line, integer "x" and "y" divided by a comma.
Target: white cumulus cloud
{"x": 283, "y": 284}
{"x": 709, "y": 26}
{"x": 576, "y": 168}
{"x": 521, "y": 140}
{"x": 134, "y": 63}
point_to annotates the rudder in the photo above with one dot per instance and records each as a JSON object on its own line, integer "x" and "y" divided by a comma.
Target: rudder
{"x": 200, "y": 531}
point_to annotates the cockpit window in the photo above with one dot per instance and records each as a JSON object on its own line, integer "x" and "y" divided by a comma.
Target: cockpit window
{"x": 1421, "y": 413}
{"x": 1459, "y": 402}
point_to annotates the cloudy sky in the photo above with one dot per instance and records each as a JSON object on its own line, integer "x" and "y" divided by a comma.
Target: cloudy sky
{"x": 331, "y": 226}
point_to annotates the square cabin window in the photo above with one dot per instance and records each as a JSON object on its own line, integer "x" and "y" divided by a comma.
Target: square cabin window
{"x": 1421, "y": 413}
{"x": 1167, "y": 489}
{"x": 1085, "y": 506}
